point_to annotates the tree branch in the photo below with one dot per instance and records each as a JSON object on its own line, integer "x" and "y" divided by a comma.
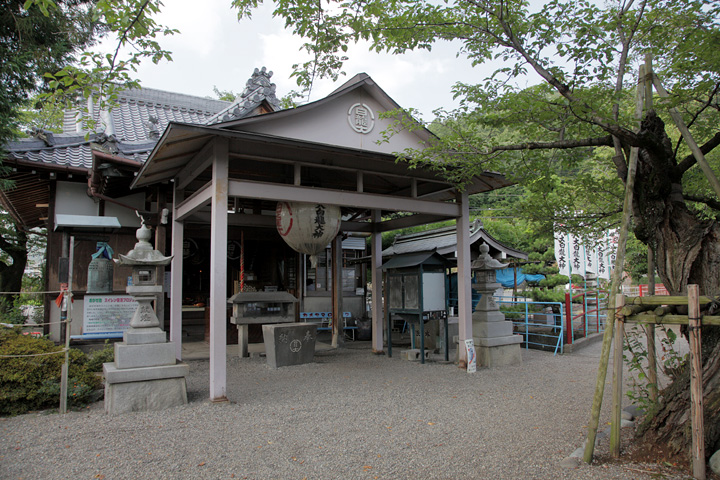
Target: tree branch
{"x": 710, "y": 202}
{"x": 605, "y": 141}
{"x": 689, "y": 161}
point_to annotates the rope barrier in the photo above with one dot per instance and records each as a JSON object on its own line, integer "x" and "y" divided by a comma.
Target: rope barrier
{"x": 13, "y": 325}
{"x": 32, "y": 293}
{"x": 34, "y": 354}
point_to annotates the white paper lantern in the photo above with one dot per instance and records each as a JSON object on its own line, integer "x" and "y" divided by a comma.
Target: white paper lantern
{"x": 307, "y": 227}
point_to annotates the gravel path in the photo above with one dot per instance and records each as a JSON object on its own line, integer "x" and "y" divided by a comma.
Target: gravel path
{"x": 350, "y": 415}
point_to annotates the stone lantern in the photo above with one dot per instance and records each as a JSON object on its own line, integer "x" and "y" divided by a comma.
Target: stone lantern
{"x": 495, "y": 343}
{"x": 145, "y": 374}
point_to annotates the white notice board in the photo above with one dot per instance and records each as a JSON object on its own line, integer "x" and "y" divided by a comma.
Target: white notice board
{"x": 108, "y": 313}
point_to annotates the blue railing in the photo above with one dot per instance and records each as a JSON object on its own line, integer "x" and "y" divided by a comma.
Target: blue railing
{"x": 534, "y": 332}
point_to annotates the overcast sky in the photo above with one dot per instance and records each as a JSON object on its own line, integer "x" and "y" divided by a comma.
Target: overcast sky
{"x": 214, "y": 49}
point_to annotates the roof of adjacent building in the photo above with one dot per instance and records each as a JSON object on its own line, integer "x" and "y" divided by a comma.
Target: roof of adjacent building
{"x": 129, "y": 131}
{"x": 444, "y": 241}
{"x": 133, "y": 126}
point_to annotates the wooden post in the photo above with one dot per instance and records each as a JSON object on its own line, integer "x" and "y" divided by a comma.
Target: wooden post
{"x": 568, "y": 318}
{"x": 696, "y": 398}
{"x": 650, "y": 333}
{"x": 617, "y": 385}
{"x": 338, "y": 321}
{"x": 464, "y": 277}
{"x": 377, "y": 296}
{"x": 615, "y": 284}
{"x": 218, "y": 272}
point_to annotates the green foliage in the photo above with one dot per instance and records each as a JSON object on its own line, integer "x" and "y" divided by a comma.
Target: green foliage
{"x": 96, "y": 358}
{"x": 33, "y": 382}
{"x": 635, "y": 355}
{"x": 227, "y": 95}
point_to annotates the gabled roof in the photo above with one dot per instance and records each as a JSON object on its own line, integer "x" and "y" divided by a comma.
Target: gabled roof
{"x": 360, "y": 86}
{"x": 414, "y": 259}
{"x": 444, "y": 241}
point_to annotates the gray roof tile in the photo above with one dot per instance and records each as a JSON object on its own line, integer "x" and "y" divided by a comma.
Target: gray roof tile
{"x": 257, "y": 89}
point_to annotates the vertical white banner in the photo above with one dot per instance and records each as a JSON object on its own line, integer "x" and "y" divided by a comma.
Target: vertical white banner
{"x": 577, "y": 254}
{"x": 613, "y": 237}
{"x": 602, "y": 267}
{"x": 591, "y": 259}
{"x": 562, "y": 253}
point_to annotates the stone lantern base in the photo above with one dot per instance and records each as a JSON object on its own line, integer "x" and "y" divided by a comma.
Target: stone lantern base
{"x": 495, "y": 344}
{"x": 145, "y": 374}
{"x": 498, "y": 351}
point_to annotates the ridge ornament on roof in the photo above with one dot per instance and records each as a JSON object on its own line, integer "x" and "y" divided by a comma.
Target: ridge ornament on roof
{"x": 258, "y": 88}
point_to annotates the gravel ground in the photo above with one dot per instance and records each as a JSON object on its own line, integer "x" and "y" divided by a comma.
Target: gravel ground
{"x": 350, "y": 415}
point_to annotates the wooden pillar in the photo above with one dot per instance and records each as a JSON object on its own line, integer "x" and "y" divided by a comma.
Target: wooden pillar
{"x": 464, "y": 277}
{"x": 377, "y": 295}
{"x": 337, "y": 303}
{"x": 617, "y": 385}
{"x": 160, "y": 240}
{"x": 650, "y": 331}
{"x": 218, "y": 272}
{"x": 176, "y": 277}
{"x": 696, "y": 388}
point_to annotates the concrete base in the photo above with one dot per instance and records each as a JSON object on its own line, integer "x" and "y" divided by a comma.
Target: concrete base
{"x": 413, "y": 354}
{"x": 144, "y": 355}
{"x": 145, "y": 395}
{"x": 498, "y": 356}
{"x": 501, "y": 328}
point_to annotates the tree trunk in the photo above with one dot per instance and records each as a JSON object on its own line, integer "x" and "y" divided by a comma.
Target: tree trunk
{"x": 687, "y": 251}
{"x": 11, "y": 273}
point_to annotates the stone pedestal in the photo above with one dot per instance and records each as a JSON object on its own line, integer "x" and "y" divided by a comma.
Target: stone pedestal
{"x": 145, "y": 375}
{"x": 495, "y": 344}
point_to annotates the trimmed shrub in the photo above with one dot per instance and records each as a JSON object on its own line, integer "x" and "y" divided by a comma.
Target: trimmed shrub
{"x": 33, "y": 382}
{"x": 96, "y": 358}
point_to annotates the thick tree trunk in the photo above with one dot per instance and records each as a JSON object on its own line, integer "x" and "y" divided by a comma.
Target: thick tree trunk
{"x": 687, "y": 250}
{"x": 11, "y": 273}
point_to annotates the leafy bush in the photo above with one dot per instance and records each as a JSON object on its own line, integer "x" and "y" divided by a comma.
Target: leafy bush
{"x": 96, "y": 358}
{"x": 33, "y": 383}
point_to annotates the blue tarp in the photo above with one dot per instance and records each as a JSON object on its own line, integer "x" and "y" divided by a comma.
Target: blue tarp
{"x": 506, "y": 277}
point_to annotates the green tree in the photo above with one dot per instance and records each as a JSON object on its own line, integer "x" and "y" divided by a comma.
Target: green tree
{"x": 47, "y": 61}
{"x": 582, "y": 53}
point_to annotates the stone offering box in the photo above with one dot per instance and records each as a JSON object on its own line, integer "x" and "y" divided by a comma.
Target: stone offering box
{"x": 289, "y": 344}
{"x": 259, "y": 308}
{"x": 262, "y": 307}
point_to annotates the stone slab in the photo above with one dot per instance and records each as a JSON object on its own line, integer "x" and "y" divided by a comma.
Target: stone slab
{"x": 480, "y": 316}
{"x": 413, "y": 354}
{"x": 498, "y": 341}
{"x": 492, "y": 329}
{"x": 289, "y": 344}
{"x": 114, "y": 375}
{"x": 152, "y": 395}
{"x": 499, "y": 356}
{"x": 147, "y": 355}
{"x": 142, "y": 336}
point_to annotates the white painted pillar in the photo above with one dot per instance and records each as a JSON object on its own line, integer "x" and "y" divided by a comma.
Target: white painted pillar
{"x": 218, "y": 272}
{"x": 376, "y": 279}
{"x": 464, "y": 277}
{"x": 176, "y": 276}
